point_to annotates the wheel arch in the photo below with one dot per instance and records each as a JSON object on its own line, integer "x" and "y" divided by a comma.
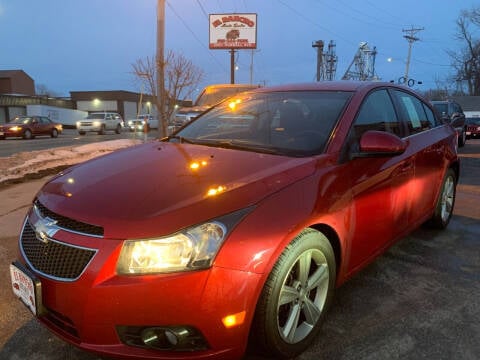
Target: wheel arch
{"x": 334, "y": 240}
{"x": 455, "y": 166}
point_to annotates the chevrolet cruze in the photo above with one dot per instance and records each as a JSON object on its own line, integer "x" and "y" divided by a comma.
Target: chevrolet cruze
{"x": 236, "y": 229}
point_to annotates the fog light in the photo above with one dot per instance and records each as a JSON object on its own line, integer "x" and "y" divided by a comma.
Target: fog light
{"x": 150, "y": 337}
{"x": 171, "y": 338}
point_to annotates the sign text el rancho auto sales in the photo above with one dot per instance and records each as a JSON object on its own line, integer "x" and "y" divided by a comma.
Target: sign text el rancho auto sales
{"x": 233, "y": 31}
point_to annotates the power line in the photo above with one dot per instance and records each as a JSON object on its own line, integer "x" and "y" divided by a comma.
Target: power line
{"x": 194, "y": 35}
{"x": 203, "y": 10}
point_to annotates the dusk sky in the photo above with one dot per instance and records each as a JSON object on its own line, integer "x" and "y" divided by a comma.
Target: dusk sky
{"x": 85, "y": 45}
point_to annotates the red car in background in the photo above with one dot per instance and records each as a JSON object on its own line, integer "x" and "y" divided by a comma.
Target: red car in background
{"x": 242, "y": 225}
{"x": 30, "y": 126}
{"x": 473, "y": 127}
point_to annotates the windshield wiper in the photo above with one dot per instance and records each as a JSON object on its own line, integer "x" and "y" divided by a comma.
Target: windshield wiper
{"x": 245, "y": 145}
{"x": 180, "y": 139}
{"x": 229, "y": 144}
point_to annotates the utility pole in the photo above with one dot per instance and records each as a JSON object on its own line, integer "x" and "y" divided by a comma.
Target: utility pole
{"x": 319, "y": 45}
{"x": 232, "y": 66}
{"x": 161, "y": 68}
{"x": 411, "y": 38}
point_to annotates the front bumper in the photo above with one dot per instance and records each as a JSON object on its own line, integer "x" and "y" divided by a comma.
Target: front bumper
{"x": 89, "y": 128}
{"x": 88, "y": 311}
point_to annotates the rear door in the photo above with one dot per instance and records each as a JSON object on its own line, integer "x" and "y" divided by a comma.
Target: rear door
{"x": 429, "y": 140}
{"x": 46, "y": 125}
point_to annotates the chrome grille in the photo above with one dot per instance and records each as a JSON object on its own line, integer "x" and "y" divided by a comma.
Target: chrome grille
{"x": 69, "y": 224}
{"x": 54, "y": 259}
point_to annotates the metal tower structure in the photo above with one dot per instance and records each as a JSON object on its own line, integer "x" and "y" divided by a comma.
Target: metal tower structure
{"x": 326, "y": 61}
{"x": 362, "y": 66}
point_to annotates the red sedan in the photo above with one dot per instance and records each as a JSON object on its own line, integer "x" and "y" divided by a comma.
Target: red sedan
{"x": 239, "y": 226}
{"x": 30, "y": 126}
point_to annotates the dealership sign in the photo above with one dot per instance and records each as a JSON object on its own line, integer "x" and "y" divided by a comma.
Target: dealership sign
{"x": 233, "y": 31}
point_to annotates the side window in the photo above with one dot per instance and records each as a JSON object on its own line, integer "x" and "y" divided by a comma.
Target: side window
{"x": 430, "y": 116}
{"x": 377, "y": 113}
{"x": 413, "y": 112}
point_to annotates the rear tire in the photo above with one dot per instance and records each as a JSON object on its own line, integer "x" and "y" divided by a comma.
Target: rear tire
{"x": 445, "y": 202}
{"x": 295, "y": 297}
{"x": 462, "y": 138}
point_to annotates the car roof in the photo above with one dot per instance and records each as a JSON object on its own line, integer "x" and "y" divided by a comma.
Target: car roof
{"x": 231, "y": 86}
{"x": 341, "y": 85}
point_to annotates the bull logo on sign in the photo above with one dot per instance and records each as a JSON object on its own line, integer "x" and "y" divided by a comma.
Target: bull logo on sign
{"x": 232, "y": 35}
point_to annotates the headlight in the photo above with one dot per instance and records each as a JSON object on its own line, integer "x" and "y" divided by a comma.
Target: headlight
{"x": 78, "y": 124}
{"x": 130, "y": 122}
{"x": 96, "y": 123}
{"x": 191, "y": 249}
{"x": 15, "y": 128}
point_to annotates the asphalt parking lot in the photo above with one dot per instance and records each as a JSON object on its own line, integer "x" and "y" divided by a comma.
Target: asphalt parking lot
{"x": 420, "y": 300}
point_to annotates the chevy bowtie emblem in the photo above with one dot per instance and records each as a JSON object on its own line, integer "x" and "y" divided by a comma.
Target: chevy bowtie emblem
{"x": 45, "y": 228}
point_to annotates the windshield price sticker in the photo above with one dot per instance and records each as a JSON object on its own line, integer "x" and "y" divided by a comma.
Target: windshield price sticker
{"x": 25, "y": 287}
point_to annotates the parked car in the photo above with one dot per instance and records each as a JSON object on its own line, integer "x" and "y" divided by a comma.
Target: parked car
{"x": 243, "y": 224}
{"x": 473, "y": 127}
{"x": 30, "y": 126}
{"x": 209, "y": 96}
{"x": 101, "y": 122}
{"x": 142, "y": 123}
{"x": 451, "y": 112}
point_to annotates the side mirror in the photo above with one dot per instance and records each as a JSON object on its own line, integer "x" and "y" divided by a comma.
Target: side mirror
{"x": 380, "y": 143}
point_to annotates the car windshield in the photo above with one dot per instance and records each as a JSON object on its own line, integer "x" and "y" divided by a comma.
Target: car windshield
{"x": 473, "y": 121}
{"x": 297, "y": 123}
{"x": 212, "y": 96}
{"x": 21, "y": 120}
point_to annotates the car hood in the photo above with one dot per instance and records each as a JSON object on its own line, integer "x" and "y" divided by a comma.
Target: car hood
{"x": 8, "y": 126}
{"x": 158, "y": 188}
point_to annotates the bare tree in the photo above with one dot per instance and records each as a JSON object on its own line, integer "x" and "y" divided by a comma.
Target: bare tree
{"x": 466, "y": 62}
{"x": 41, "y": 89}
{"x": 181, "y": 79}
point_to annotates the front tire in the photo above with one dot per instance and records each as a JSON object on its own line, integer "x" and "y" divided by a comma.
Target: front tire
{"x": 102, "y": 130}
{"x": 445, "y": 202}
{"x": 118, "y": 130}
{"x": 295, "y": 297}
{"x": 27, "y": 135}
{"x": 54, "y": 133}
